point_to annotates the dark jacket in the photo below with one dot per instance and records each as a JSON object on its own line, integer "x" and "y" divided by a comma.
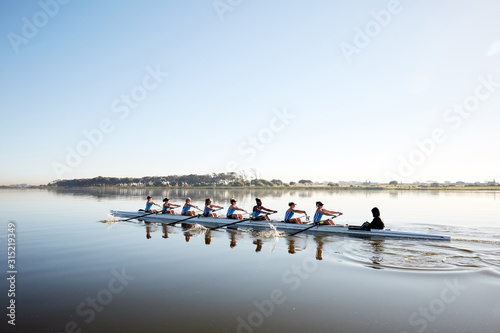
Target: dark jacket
{"x": 377, "y": 222}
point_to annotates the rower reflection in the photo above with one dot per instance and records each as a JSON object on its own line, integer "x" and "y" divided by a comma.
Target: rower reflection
{"x": 148, "y": 230}
{"x": 165, "y": 231}
{"x": 378, "y": 250}
{"x": 208, "y": 238}
{"x": 258, "y": 242}
{"x": 291, "y": 245}
{"x": 232, "y": 236}
{"x": 319, "y": 248}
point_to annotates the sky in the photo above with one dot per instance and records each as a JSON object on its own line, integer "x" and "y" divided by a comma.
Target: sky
{"x": 321, "y": 90}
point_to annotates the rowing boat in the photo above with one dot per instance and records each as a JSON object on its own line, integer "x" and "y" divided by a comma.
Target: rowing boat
{"x": 213, "y": 222}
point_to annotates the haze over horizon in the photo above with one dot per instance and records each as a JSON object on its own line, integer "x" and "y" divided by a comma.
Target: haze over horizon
{"x": 365, "y": 90}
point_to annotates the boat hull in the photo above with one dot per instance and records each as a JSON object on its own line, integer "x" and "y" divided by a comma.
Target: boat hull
{"x": 212, "y": 222}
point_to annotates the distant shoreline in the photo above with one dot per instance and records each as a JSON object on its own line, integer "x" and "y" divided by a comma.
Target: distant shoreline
{"x": 308, "y": 187}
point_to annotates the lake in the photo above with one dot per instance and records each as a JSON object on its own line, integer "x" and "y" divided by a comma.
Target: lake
{"x": 78, "y": 273}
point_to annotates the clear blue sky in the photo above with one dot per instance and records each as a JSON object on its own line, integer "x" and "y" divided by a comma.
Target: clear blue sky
{"x": 355, "y": 84}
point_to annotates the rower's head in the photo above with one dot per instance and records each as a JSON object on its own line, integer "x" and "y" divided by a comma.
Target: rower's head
{"x": 319, "y": 204}
{"x": 188, "y": 199}
{"x": 232, "y": 201}
{"x": 258, "y": 201}
{"x": 375, "y": 212}
{"x": 166, "y": 200}
{"x": 208, "y": 201}
{"x": 291, "y": 204}
{"x": 149, "y": 198}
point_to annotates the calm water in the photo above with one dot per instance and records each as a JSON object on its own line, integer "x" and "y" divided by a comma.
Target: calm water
{"x": 78, "y": 274}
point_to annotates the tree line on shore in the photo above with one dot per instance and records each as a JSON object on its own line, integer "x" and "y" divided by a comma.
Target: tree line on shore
{"x": 215, "y": 179}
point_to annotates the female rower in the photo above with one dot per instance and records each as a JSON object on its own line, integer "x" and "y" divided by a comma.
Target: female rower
{"x": 259, "y": 209}
{"x": 289, "y": 214}
{"x": 320, "y": 212}
{"x": 168, "y": 208}
{"x": 209, "y": 208}
{"x": 149, "y": 204}
{"x": 230, "y": 211}
{"x": 186, "y": 208}
{"x": 377, "y": 222}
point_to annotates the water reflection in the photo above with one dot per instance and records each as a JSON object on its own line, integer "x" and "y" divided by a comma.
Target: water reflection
{"x": 217, "y": 194}
{"x": 472, "y": 251}
{"x": 208, "y": 237}
{"x": 319, "y": 248}
{"x": 258, "y": 242}
{"x": 232, "y": 237}
{"x": 291, "y": 245}
{"x": 165, "y": 231}
{"x": 378, "y": 250}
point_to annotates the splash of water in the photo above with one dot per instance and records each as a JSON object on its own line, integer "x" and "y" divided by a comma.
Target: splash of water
{"x": 198, "y": 227}
{"x": 111, "y": 218}
{"x": 276, "y": 234}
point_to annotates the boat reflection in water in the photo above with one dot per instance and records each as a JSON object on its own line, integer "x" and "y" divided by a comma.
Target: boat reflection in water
{"x": 370, "y": 251}
{"x": 190, "y": 230}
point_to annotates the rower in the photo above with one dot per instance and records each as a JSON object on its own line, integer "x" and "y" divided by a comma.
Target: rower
{"x": 149, "y": 204}
{"x": 186, "y": 208}
{"x": 320, "y": 212}
{"x": 230, "y": 211}
{"x": 289, "y": 214}
{"x": 209, "y": 208}
{"x": 376, "y": 223}
{"x": 259, "y": 209}
{"x": 168, "y": 208}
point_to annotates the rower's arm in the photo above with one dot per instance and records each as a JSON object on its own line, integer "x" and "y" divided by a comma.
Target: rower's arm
{"x": 238, "y": 208}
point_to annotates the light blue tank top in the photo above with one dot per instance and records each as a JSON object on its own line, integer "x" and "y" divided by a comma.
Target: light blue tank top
{"x": 230, "y": 212}
{"x": 185, "y": 210}
{"x": 288, "y": 216}
{"x": 207, "y": 211}
{"x": 165, "y": 208}
{"x": 254, "y": 213}
{"x": 148, "y": 206}
{"x": 317, "y": 217}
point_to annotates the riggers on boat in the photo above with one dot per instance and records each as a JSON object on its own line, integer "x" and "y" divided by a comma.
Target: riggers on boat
{"x": 213, "y": 222}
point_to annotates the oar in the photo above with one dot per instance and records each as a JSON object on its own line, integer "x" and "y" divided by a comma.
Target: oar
{"x": 215, "y": 210}
{"x": 228, "y": 224}
{"x": 170, "y": 208}
{"x": 189, "y": 218}
{"x": 315, "y": 224}
{"x": 135, "y": 217}
{"x": 307, "y": 219}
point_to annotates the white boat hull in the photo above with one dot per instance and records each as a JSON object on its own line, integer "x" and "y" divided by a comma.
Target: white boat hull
{"x": 212, "y": 222}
